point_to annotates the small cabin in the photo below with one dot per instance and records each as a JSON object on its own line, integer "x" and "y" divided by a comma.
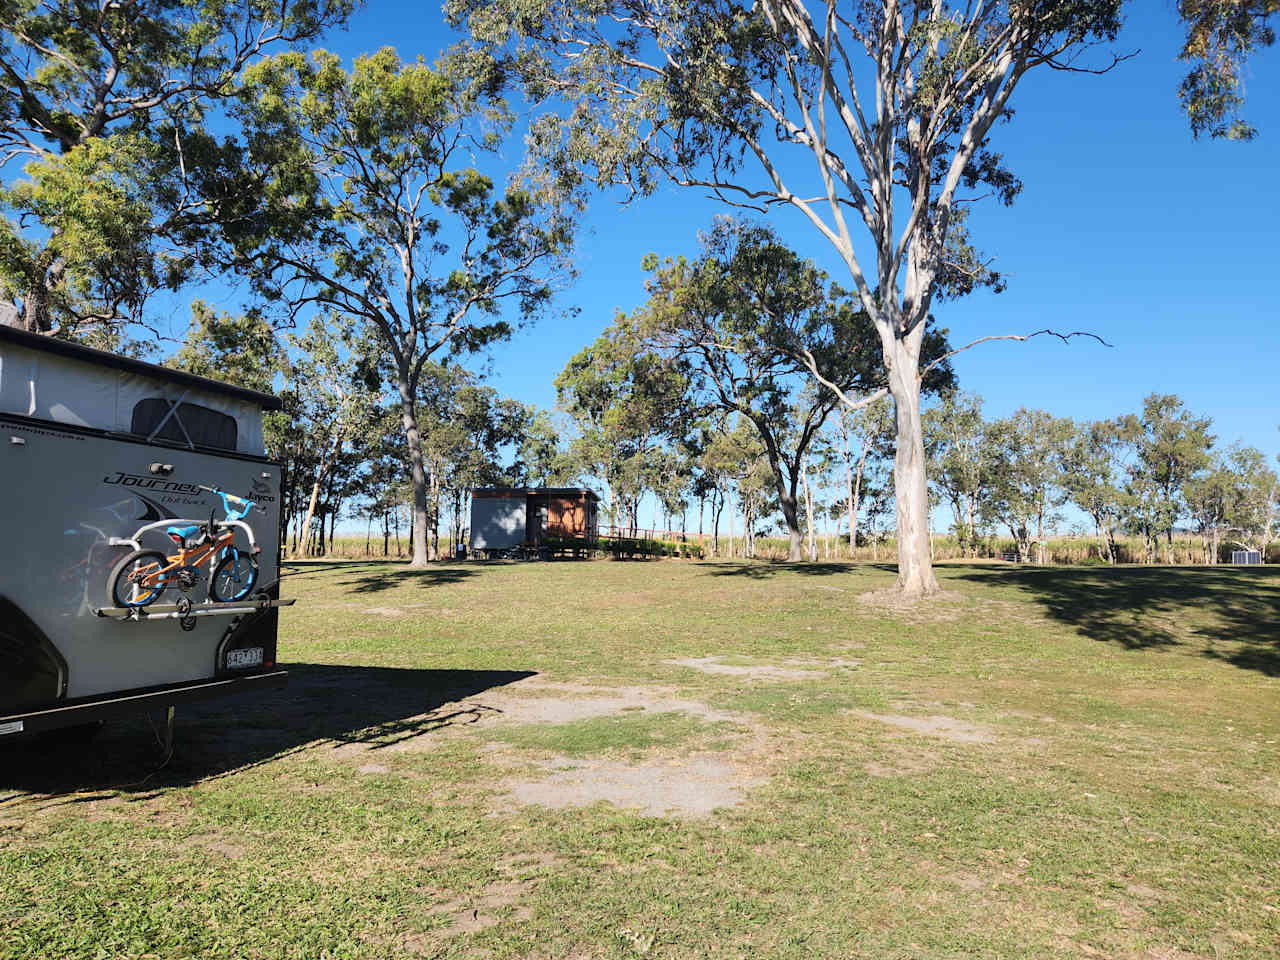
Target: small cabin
{"x": 513, "y": 518}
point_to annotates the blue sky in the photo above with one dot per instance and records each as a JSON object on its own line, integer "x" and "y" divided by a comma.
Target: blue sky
{"x": 1126, "y": 226}
{"x": 1165, "y": 246}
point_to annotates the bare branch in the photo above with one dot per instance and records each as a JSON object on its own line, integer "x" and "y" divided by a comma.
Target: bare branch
{"x": 1064, "y": 337}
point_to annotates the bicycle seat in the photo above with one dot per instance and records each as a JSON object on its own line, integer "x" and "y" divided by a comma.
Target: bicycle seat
{"x": 181, "y": 533}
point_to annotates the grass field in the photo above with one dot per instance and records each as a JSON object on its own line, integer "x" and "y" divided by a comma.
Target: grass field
{"x": 674, "y": 759}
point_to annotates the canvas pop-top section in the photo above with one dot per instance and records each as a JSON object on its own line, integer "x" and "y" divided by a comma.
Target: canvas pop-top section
{"x": 67, "y": 383}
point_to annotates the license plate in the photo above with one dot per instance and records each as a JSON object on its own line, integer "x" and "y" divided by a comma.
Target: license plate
{"x": 240, "y": 659}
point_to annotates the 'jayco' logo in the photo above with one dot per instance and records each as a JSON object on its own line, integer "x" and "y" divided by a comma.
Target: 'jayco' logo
{"x": 152, "y": 483}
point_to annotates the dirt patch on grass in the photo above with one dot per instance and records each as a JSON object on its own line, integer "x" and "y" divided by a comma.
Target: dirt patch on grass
{"x": 901, "y": 766}
{"x": 939, "y": 606}
{"x": 533, "y": 703}
{"x": 688, "y": 787}
{"x": 219, "y": 845}
{"x": 499, "y": 901}
{"x": 946, "y": 728}
{"x": 831, "y": 663}
{"x": 565, "y": 703}
{"x": 684, "y": 785}
{"x": 472, "y": 914}
{"x": 760, "y": 672}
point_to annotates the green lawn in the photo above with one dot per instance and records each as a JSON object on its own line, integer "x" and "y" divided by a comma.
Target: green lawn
{"x": 503, "y": 761}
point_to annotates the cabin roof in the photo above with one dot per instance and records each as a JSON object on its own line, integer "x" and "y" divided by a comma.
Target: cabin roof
{"x": 534, "y": 492}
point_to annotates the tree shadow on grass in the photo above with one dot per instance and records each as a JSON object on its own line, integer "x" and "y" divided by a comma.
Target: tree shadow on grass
{"x": 1231, "y": 613}
{"x": 323, "y": 708}
{"x": 766, "y": 569}
{"x": 423, "y": 577}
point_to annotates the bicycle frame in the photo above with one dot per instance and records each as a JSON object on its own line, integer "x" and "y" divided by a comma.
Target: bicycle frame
{"x": 233, "y": 518}
{"x": 135, "y": 540}
{"x": 193, "y": 557}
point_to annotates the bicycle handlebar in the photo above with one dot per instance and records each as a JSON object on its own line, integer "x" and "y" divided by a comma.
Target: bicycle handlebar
{"x": 230, "y": 498}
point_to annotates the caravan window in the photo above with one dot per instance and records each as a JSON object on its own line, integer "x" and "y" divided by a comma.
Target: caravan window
{"x": 205, "y": 427}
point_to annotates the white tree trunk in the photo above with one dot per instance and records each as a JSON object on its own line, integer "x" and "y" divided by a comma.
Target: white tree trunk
{"x": 915, "y": 568}
{"x": 808, "y": 512}
{"x": 417, "y": 472}
{"x": 729, "y": 497}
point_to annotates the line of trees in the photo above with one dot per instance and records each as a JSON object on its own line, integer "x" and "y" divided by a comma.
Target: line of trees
{"x": 701, "y": 402}
{"x": 1142, "y": 474}
{"x": 340, "y": 437}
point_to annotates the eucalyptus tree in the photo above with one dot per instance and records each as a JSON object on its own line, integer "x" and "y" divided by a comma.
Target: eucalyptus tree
{"x": 959, "y": 461}
{"x": 865, "y": 438}
{"x": 1171, "y": 445}
{"x": 107, "y": 106}
{"x": 1236, "y": 499}
{"x": 336, "y": 388}
{"x": 1253, "y": 503}
{"x": 752, "y": 322}
{"x": 717, "y": 468}
{"x": 1095, "y": 461}
{"x": 628, "y": 404}
{"x": 870, "y": 118}
{"x": 1025, "y": 491}
{"x": 1209, "y": 496}
{"x": 540, "y": 457}
{"x": 1221, "y": 36}
{"x": 369, "y": 206}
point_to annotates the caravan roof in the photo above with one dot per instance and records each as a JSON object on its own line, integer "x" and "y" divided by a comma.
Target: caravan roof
{"x": 64, "y": 382}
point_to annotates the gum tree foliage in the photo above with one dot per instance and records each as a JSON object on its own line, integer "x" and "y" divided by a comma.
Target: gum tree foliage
{"x": 540, "y": 458}
{"x": 336, "y": 386}
{"x": 1235, "y": 499}
{"x": 1095, "y": 461}
{"x": 1171, "y": 445}
{"x": 105, "y": 104}
{"x": 1253, "y": 498}
{"x": 1023, "y": 492}
{"x": 959, "y": 461}
{"x": 369, "y": 206}
{"x": 627, "y": 403}
{"x": 1209, "y": 495}
{"x": 466, "y": 426}
{"x": 741, "y": 458}
{"x": 236, "y": 348}
{"x": 1221, "y": 35}
{"x": 863, "y": 440}
{"x": 871, "y": 118}
{"x": 749, "y": 322}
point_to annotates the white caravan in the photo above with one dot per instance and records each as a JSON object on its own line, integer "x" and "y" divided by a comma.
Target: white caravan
{"x": 101, "y": 456}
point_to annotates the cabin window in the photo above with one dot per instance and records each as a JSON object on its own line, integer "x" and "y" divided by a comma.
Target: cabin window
{"x": 190, "y": 424}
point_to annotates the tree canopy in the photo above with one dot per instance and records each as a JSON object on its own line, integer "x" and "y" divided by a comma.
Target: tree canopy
{"x": 108, "y": 106}
{"x": 369, "y": 206}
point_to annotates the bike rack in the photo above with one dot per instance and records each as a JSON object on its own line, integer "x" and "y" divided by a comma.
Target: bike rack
{"x": 179, "y": 611}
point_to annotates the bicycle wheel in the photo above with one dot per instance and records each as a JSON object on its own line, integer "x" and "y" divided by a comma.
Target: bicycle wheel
{"x": 233, "y": 577}
{"x": 126, "y": 590}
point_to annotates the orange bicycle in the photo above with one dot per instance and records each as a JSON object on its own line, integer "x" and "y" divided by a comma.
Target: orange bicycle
{"x": 142, "y": 576}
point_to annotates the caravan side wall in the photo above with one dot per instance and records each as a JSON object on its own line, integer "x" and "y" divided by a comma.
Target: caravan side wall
{"x": 497, "y": 523}
{"x": 65, "y": 493}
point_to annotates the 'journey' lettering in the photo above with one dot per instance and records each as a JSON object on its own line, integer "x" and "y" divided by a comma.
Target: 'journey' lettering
{"x": 152, "y": 483}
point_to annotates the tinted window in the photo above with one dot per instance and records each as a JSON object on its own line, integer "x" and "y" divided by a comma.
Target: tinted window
{"x": 205, "y": 427}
